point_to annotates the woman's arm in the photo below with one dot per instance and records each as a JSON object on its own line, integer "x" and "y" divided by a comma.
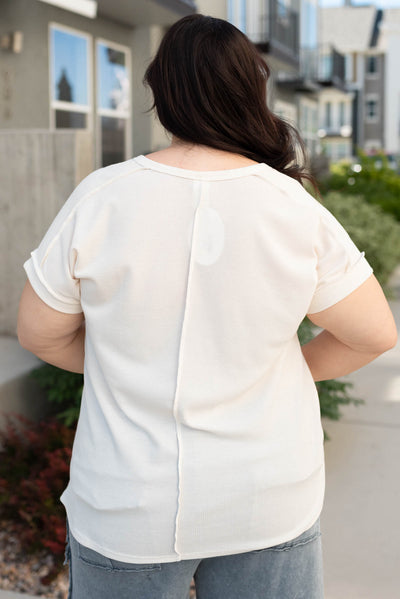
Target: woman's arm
{"x": 55, "y": 337}
{"x": 356, "y": 331}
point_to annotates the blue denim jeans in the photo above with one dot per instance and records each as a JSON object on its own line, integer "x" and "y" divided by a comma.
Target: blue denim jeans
{"x": 290, "y": 570}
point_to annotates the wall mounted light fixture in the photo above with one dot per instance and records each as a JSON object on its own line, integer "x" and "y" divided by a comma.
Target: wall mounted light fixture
{"x": 12, "y": 41}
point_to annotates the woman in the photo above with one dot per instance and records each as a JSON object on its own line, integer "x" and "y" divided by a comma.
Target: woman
{"x": 176, "y": 282}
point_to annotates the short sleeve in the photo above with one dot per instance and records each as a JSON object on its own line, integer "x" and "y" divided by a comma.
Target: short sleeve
{"x": 50, "y": 272}
{"x": 341, "y": 267}
{"x": 50, "y": 269}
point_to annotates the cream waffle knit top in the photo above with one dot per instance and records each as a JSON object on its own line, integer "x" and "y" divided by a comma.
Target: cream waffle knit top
{"x": 199, "y": 433}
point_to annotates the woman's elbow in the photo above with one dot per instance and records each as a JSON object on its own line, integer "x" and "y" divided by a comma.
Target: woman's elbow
{"x": 386, "y": 340}
{"x": 392, "y": 339}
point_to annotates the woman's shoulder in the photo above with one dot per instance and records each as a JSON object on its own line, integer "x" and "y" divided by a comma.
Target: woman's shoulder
{"x": 106, "y": 174}
{"x": 293, "y": 191}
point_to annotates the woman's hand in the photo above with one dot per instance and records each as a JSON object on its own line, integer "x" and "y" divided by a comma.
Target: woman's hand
{"x": 55, "y": 337}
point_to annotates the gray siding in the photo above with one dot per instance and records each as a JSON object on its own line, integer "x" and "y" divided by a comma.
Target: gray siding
{"x": 374, "y": 85}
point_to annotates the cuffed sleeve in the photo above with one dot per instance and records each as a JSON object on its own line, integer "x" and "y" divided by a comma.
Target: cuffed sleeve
{"x": 39, "y": 279}
{"x": 50, "y": 269}
{"x": 341, "y": 267}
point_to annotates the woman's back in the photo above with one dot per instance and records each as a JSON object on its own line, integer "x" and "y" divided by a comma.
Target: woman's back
{"x": 178, "y": 282}
{"x": 194, "y": 376}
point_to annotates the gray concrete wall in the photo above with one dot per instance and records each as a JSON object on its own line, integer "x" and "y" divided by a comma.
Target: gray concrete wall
{"x": 38, "y": 171}
{"x": 147, "y": 133}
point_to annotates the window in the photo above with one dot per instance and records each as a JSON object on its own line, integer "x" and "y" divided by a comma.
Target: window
{"x": 326, "y": 66}
{"x": 371, "y": 109}
{"x": 70, "y": 78}
{"x": 113, "y": 102}
{"x": 342, "y": 114}
{"x": 372, "y": 65}
{"x": 328, "y": 115}
{"x": 237, "y": 14}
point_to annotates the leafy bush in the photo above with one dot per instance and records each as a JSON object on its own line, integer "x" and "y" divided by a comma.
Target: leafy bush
{"x": 34, "y": 471}
{"x": 63, "y": 389}
{"x": 372, "y": 230}
{"x": 379, "y": 186}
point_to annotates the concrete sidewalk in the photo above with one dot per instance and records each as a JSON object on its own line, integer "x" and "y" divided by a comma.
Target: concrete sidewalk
{"x": 360, "y": 521}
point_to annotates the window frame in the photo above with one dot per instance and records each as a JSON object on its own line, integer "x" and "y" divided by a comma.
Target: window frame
{"x": 110, "y": 112}
{"x": 342, "y": 113}
{"x": 328, "y": 115}
{"x": 372, "y": 74}
{"x": 55, "y": 105}
{"x": 370, "y": 98}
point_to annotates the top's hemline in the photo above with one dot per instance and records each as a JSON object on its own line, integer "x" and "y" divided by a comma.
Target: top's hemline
{"x": 234, "y": 173}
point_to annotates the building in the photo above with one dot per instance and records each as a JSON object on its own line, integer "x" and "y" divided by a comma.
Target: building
{"x": 78, "y": 66}
{"x": 307, "y": 77}
{"x": 388, "y": 44}
{"x": 355, "y": 32}
{"x": 274, "y": 27}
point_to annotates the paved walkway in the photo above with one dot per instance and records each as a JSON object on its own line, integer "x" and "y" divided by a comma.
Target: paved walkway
{"x": 360, "y": 521}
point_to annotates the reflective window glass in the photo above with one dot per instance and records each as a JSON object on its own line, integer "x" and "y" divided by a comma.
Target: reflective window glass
{"x": 372, "y": 109}
{"x": 70, "y": 69}
{"x": 70, "y": 120}
{"x": 113, "y": 132}
{"x": 113, "y": 79}
{"x": 372, "y": 64}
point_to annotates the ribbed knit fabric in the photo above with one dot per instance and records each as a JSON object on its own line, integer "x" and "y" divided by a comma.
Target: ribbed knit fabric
{"x": 199, "y": 433}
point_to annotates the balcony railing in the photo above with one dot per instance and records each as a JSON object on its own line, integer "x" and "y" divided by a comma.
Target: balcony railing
{"x": 278, "y": 31}
{"x": 323, "y": 64}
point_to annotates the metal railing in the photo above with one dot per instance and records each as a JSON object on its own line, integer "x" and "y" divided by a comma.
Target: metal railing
{"x": 323, "y": 64}
{"x": 278, "y": 31}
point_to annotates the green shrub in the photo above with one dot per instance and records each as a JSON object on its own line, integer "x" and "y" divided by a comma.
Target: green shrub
{"x": 379, "y": 186}
{"x": 373, "y": 231}
{"x": 64, "y": 391}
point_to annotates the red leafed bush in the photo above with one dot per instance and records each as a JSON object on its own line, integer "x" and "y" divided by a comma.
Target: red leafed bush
{"x": 34, "y": 471}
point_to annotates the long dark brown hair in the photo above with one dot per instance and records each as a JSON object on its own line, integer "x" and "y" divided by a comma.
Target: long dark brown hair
{"x": 209, "y": 85}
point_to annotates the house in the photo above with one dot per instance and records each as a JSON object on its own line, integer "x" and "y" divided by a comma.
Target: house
{"x": 354, "y": 31}
{"x": 274, "y": 27}
{"x": 388, "y": 43}
{"x": 303, "y": 72}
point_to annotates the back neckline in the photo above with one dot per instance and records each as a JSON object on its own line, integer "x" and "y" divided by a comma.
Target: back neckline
{"x": 207, "y": 175}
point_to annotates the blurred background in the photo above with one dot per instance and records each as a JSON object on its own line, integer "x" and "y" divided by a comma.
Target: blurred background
{"x": 71, "y": 101}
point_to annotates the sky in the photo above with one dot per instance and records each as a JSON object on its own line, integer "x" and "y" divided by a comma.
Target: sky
{"x": 378, "y": 3}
